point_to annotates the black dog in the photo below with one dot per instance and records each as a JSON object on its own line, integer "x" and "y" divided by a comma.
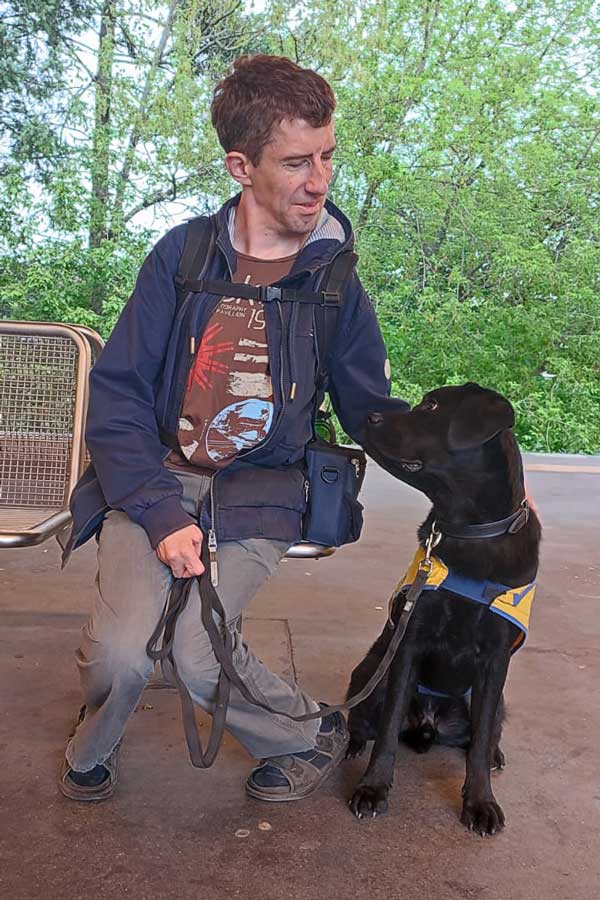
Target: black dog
{"x": 446, "y": 680}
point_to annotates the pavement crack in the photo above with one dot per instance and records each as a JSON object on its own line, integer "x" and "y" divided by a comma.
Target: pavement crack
{"x": 290, "y": 642}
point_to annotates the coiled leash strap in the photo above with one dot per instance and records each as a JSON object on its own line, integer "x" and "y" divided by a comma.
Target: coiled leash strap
{"x": 222, "y": 645}
{"x": 176, "y": 603}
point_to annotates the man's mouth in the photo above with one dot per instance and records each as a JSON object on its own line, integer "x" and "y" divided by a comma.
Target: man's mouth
{"x": 309, "y": 207}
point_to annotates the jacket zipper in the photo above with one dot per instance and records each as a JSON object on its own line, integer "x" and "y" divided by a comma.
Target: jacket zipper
{"x": 212, "y": 532}
{"x": 178, "y": 319}
{"x": 192, "y": 343}
{"x": 276, "y": 425}
{"x": 290, "y": 341}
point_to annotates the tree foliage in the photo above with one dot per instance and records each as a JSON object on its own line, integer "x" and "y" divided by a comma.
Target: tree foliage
{"x": 468, "y": 160}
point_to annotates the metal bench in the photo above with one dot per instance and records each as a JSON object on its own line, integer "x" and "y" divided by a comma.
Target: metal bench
{"x": 44, "y": 372}
{"x": 43, "y": 402}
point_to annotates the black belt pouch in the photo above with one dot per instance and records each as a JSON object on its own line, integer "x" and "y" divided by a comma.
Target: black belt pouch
{"x": 335, "y": 475}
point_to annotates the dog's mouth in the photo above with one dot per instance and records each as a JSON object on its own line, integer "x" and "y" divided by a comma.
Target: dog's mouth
{"x": 411, "y": 465}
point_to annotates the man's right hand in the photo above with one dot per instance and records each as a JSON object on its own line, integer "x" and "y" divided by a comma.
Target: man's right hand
{"x": 181, "y": 552}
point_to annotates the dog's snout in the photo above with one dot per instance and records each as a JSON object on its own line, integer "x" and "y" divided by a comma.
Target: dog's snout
{"x": 375, "y": 418}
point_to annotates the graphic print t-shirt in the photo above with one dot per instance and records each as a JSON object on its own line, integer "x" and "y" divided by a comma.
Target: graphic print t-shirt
{"x": 228, "y": 405}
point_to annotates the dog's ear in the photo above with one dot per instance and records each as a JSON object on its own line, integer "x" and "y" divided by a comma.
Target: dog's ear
{"x": 481, "y": 415}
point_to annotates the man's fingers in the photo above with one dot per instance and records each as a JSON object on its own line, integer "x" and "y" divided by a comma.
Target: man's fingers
{"x": 181, "y": 552}
{"x": 185, "y": 565}
{"x": 192, "y": 566}
{"x": 188, "y": 574}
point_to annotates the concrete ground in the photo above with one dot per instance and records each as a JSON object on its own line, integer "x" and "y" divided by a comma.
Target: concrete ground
{"x": 173, "y": 832}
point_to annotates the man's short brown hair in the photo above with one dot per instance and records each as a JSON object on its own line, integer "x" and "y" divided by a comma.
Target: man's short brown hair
{"x": 259, "y": 93}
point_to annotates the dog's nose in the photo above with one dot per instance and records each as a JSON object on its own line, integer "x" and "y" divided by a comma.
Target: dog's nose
{"x": 375, "y": 418}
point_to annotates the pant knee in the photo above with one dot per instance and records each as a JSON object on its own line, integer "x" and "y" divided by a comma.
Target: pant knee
{"x": 196, "y": 663}
{"x": 111, "y": 660}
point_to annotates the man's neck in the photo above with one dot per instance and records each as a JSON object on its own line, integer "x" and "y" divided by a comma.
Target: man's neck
{"x": 256, "y": 236}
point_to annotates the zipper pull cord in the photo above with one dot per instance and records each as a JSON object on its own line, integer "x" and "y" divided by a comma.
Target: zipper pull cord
{"x": 212, "y": 553}
{"x": 212, "y": 539}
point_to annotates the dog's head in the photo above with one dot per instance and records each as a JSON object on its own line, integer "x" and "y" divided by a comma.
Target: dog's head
{"x": 444, "y": 431}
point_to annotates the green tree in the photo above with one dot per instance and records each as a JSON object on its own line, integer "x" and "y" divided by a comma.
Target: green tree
{"x": 468, "y": 161}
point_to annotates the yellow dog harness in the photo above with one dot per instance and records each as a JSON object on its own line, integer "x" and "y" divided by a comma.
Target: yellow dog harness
{"x": 511, "y": 603}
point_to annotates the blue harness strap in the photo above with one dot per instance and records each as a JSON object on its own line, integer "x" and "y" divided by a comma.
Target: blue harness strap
{"x": 428, "y": 692}
{"x": 513, "y": 604}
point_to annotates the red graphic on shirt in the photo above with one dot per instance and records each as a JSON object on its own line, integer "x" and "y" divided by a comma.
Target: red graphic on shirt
{"x": 206, "y": 362}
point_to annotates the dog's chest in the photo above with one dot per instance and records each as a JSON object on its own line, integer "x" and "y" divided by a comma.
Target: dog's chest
{"x": 452, "y": 626}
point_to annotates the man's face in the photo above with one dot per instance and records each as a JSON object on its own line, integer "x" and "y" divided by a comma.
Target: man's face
{"x": 291, "y": 181}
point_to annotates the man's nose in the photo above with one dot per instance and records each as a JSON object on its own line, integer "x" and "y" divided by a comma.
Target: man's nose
{"x": 375, "y": 418}
{"x": 318, "y": 183}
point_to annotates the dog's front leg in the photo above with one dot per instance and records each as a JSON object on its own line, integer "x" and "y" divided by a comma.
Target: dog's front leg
{"x": 480, "y": 811}
{"x": 370, "y": 797}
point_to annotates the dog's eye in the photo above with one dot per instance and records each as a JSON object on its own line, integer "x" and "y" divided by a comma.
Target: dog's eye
{"x": 429, "y": 404}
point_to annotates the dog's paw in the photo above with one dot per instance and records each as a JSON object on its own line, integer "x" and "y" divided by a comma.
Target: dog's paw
{"x": 368, "y": 802}
{"x": 485, "y": 817}
{"x": 355, "y": 747}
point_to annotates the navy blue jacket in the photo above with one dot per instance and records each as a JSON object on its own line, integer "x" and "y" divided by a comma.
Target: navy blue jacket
{"x": 139, "y": 381}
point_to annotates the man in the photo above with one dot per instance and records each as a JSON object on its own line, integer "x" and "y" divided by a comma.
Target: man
{"x": 230, "y": 384}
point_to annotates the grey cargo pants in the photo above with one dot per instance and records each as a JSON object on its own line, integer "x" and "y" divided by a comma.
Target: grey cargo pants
{"x": 113, "y": 665}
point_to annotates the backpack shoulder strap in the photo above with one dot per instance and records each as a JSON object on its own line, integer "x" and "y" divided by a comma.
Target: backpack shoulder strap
{"x": 326, "y": 317}
{"x": 197, "y": 253}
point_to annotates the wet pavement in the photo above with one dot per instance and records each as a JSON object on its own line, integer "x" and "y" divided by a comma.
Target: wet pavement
{"x": 174, "y": 832}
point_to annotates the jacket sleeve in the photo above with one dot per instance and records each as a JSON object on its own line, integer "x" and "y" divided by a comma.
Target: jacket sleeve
{"x": 122, "y": 430}
{"x": 359, "y": 369}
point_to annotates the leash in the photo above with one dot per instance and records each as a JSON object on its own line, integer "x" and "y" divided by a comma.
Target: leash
{"x": 176, "y": 602}
{"x": 222, "y": 645}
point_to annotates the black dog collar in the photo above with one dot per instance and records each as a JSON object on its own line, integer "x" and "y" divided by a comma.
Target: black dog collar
{"x": 510, "y": 525}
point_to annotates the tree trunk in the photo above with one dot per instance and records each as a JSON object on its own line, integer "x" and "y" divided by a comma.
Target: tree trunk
{"x": 100, "y": 167}
{"x": 142, "y": 113}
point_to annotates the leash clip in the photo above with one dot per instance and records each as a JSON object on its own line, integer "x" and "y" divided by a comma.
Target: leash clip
{"x": 433, "y": 540}
{"x": 425, "y": 566}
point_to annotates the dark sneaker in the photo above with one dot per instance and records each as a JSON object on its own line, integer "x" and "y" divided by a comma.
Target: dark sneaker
{"x": 296, "y": 775}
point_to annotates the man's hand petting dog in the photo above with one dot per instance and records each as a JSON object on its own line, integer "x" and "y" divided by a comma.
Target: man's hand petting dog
{"x": 181, "y": 552}
{"x": 445, "y": 683}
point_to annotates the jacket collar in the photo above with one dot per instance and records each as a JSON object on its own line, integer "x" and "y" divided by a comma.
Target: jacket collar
{"x": 316, "y": 253}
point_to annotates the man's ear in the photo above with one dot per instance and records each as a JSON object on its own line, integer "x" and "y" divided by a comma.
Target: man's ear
{"x": 239, "y": 167}
{"x": 481, "y": 415}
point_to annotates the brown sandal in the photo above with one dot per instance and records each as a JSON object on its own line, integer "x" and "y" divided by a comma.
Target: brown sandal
{"x": 297, "y": 775}
{"x": 87, "y": 794}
